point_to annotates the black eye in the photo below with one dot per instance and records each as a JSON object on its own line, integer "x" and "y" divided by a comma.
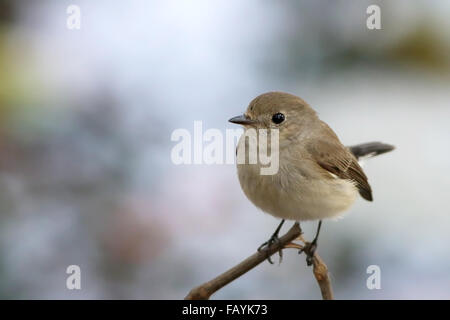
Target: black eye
{"x": 278, "y": 118}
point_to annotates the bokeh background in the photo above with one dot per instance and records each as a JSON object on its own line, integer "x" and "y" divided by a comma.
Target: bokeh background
{"x": 86, "y": 118}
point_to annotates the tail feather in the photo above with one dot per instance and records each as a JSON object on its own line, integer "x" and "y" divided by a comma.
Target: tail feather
{"x": 370, "y": 149}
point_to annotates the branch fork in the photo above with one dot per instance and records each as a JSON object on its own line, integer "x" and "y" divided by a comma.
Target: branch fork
{"x": 320, "y": 270}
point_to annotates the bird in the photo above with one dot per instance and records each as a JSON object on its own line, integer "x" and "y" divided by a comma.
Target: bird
{"x": 318, "y": 177}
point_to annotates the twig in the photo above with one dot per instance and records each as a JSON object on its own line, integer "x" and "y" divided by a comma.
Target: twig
{"x": 320, "y": 271}
{"x": 204, "y": 291}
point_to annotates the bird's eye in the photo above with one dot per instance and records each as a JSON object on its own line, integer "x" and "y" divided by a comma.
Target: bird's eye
{"x": 278, "y": 118}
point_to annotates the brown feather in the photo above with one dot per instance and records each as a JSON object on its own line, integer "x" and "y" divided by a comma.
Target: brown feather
{"x": 332, "y": 156}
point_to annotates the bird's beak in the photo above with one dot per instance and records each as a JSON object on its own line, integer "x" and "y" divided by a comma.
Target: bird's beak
{"x": 242, "y": 119}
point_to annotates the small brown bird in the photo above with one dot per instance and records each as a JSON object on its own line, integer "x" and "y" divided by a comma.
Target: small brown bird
{"x": 318, "y": 177}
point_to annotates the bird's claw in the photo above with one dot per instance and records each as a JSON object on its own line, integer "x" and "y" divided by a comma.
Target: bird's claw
{"x": 266, "y": 245}
{"x": 309, "y": 249}
{"x": 273, "y": 239}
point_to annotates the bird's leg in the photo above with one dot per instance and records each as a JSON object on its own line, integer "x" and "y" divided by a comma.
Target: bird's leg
{"x": 273, "y": 239}
{"x": 311, "y": 247}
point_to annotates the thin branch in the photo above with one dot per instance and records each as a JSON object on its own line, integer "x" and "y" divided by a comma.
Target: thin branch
{"x": 204, "y": 291}
{"x": 320, "y": 272}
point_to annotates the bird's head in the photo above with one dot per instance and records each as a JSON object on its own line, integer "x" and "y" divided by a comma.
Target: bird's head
{"x": 277, "y": 110}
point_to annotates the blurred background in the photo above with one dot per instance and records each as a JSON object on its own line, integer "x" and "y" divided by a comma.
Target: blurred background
{"x": 86, "y": 118}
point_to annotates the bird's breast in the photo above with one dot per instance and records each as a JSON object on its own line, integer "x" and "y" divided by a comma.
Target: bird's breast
{"x": 294, "y": 193}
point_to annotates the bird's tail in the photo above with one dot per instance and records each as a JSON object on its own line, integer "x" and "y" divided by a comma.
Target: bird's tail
{"x": 370, "y": 149}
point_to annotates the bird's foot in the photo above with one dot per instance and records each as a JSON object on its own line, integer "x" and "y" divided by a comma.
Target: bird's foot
{"x": 274, "y": 240}
{"x": 309, "y": 249}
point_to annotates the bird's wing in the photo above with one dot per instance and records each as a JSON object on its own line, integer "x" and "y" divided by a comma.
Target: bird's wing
{"x": 335, "y": 158}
